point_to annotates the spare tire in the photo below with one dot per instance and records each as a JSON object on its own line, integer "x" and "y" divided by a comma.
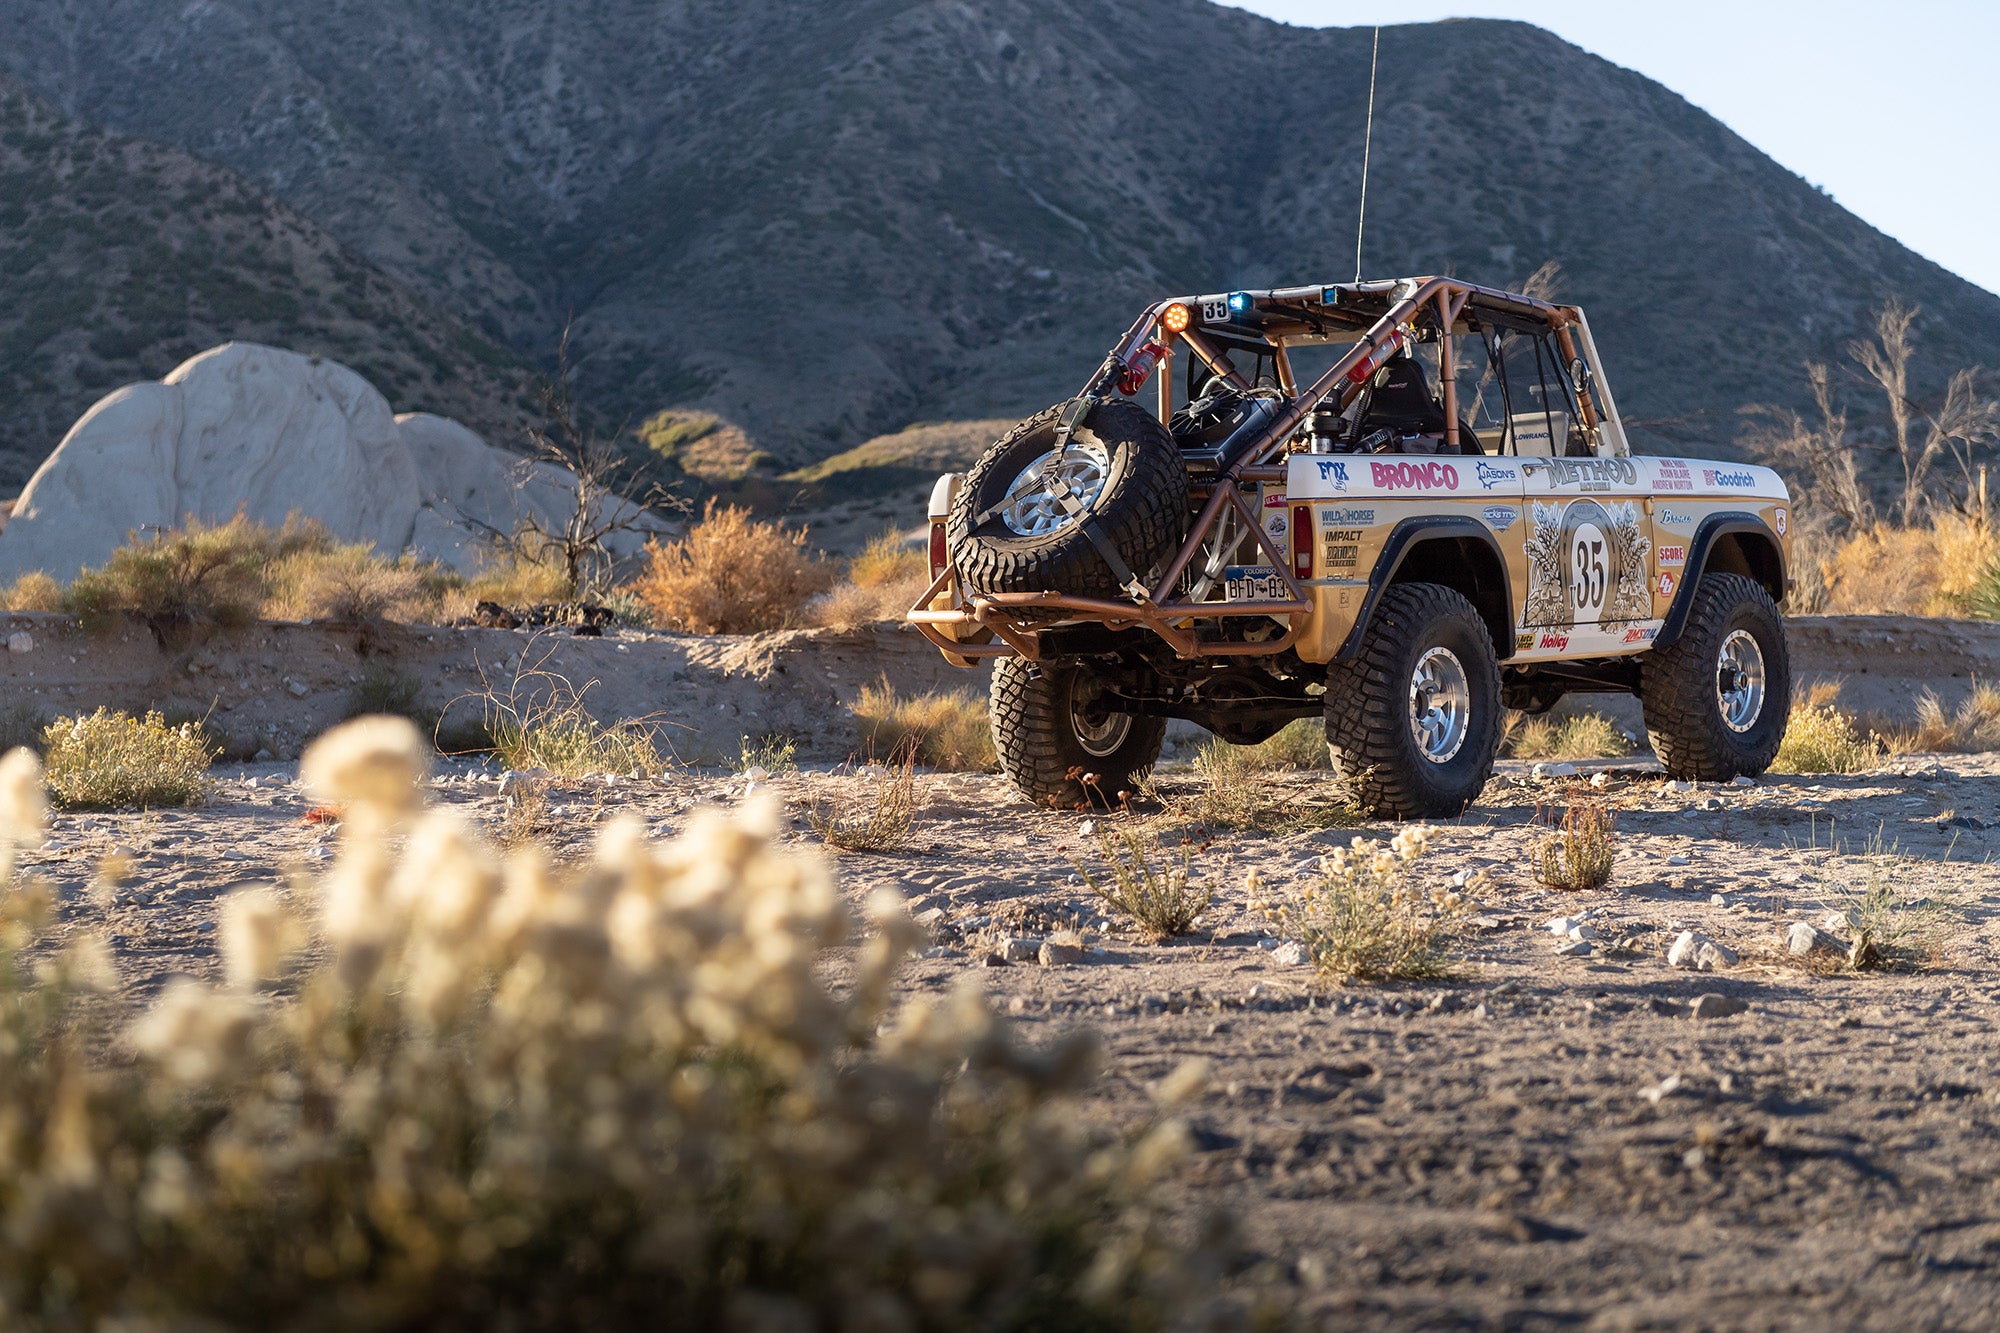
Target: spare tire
{"x": 1009, "y": 532}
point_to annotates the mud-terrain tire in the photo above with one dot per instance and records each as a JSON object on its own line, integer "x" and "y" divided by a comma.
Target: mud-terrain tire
{"x": 1041, "y": 730}
{"x": 1702, "y": 730}
{"x": 1372, "y": 703}
{"x": 1142, "y": 509}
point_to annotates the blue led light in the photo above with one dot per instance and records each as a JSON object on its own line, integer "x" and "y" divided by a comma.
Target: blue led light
{"x": 1331, "y": 296}
{"x": 1239, "y": 302}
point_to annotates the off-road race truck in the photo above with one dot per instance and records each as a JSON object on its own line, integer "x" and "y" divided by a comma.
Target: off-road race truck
{"x": 1405, "y": 505}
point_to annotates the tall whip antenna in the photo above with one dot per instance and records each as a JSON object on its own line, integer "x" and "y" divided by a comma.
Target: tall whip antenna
{"x": 1367, "y": 140}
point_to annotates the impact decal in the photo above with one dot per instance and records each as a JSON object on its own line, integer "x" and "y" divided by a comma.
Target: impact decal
{"x": 1490, "y": 476}
{"x": 1500, "y": 517}
{"x": 1587, "y": 564}
{"x": 1333, "y": 471}
{"x": 1673, "y": 555}
{"x": 1413, "y": 476}
{"x": 1347, "y": 518}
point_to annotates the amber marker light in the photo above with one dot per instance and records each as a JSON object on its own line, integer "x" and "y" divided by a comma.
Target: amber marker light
{"x": 1174, "y": 319}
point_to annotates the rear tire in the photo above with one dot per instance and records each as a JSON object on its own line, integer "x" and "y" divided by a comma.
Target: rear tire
{"x": 1057, "y": 746}
{"x": 1413, "y": 722}
{"x": 1717, "y": 699}
{"x": 1136, "y": 489}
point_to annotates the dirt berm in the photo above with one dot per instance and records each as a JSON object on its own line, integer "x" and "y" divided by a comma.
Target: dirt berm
{"x": 271, "y": 686}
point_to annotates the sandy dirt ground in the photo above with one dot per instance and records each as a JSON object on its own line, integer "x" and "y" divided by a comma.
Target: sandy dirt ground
{"x": 1541, "y": 1142}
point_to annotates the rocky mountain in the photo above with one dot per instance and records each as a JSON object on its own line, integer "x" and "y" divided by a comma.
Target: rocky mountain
{"x": 120, "y": 258}
{"x": 824, "y": 222}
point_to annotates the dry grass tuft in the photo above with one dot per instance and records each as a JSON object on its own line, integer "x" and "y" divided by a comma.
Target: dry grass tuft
{"x": 1300, "y": 745}
{"x": 1365, "y": 919}
{"x": 537, "y": 720}
{"x": 511, "y": 578}
{"x": 1578, "y": 853}
{"x": 1163, "y": 901}
{"x": 1892, "y": 925}
{"x": 348, "y": 581}
{"x": 1972, "y": 727}
{"x": 875, "y": 816}
{"x": 611, "y": 1095}
{"x": 1241, "y": 787}
{"x": 1582, "y": 736}
{"x": 944, "y": 729}
{"x": 1936, "y": 569}
{"x": 1820, "y": 738}
{"x": 731, "y": 574}
{"x": 33, "y": 591}
{"x": 110, "y": 760}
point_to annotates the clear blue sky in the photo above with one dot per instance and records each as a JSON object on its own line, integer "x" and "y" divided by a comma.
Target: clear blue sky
{"x": 1893, "y": 106}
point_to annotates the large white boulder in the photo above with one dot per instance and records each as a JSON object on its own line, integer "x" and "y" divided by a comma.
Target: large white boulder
{"x": 271, "y": 433}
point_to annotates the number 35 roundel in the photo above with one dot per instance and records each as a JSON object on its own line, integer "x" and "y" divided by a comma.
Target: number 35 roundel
{"x": 1592, "y": 561}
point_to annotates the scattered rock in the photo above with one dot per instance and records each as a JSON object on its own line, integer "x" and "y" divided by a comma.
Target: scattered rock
{"x": 1803, "y": 940}
{"x": 1680, "y": 786}
{"x": 1666, "y": 1087}
{"x": 1057, "y": 953}
{"x": 939, "y": 951}
{"x": 1563, "y": 925}
{"x": 1717, "y": 900}
{"x": 1600, "y": 780}
{"x": 1553, "y": 771}
{"x": 756, "y": 773}
{"x": 1835, "y": 923}
{"x": 1269, "y": 942}
{"x": 1743, "y": 780}
{"x": 1667, "y": 1008}
{"x": 1677, "y": 860}
{"x": 1488, "y": 923}
{"x": 1290, "y": 954}
{"x": 1712, "y": 957}
{"x": 1685, "y": 950}
{"x": 298, "y": 689}
{"x": 1718, "y": 1006}
{"x": 1087, "y": 828}
{"x": 1712, "y": 803}
{"x": 1573, "y": 949}
{"x": 1020, "y": 950}
{"x": 998, "y": 959}
{"x": 20, "y": 641}
{"x": 1583, "y": 930}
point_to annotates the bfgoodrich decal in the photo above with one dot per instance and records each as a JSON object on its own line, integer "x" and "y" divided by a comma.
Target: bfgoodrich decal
{"x": 1734, "y": 480}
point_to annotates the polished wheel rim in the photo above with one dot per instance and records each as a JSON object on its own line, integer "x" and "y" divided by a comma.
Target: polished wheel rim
{"x": 1033, "y": 505}
{"x": 1440, "y": 704}
{"x": 1739, "y": 681}
{"x": 1099, "y": 733}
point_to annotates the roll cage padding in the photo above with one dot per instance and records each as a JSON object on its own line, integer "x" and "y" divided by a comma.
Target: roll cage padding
{"x": 1762, "y": 554}
{"x": 1482, "y": 577}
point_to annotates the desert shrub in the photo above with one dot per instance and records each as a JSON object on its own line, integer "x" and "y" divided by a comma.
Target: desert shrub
{"x": 514, "y": 578}
{"x": 1578, "y": 852}
{"x": 873, "y": 811}
{"x": 111, "y": 759}
{"x": 33, "y": 591}
{"x": 1243, "y": 787}
{"x": 731, "y": 574}
{"x": 1300, "y": 745}
{"x": 772, "y": 753}
{"x": 1938, "y": 568}
{"x": 537, "y": 720}
{"x": 611, "y": 1095}
{"x": 1971, "y": 727}
{"x": 349, "y": 581}
{"x": 1162, "y": 900}
{"x": 1820, "y": 738}
{"x": 188, "y": 580}
{"x": 947, "y": 729}
{"x": 1366, "y": 918}
{"x": 1582, "y": 736}
{"x": 1891, "y": 922}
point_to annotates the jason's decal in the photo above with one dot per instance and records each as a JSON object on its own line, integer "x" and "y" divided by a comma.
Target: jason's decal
{"x": 1587, "y": 564}
{"x": 1489, "y": 475}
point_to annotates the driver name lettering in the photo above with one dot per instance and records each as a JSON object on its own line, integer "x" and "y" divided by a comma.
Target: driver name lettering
{"x": 1414, "y": 476}
{"x": 1592, "y": 474}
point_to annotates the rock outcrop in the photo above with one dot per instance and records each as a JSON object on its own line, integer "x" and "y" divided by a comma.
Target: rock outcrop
{"x": 271, "y": 433}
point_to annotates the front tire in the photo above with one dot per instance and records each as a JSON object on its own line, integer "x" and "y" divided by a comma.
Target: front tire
{"x": 1717, "y": 699}
{"x": 1059, "y": 744}
{"x": 1413, "y": 722}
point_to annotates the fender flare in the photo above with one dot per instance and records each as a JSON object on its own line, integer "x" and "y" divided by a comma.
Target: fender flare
{"x": 1712, "y": 529}
{"x": 1401, "y": 540}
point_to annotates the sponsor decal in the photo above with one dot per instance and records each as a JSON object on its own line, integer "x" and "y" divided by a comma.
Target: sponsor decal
{"x": 1666, "y": 585}
{"x": 1413, "y": 476}
{"x": 1347, "y": 518}
{"x": 1277, "y": 501}
{"x": 1333, "y": 471}
{"x": 1277, "y": 525}
{"x": 1673, "y": 555}
{"x": 1719, "y": 477}
{"x": 1501, "y": 517}
{"x": 1490, "y": 476}
{"x": 1523, "y": 641}
{"x": 1781, "y": 522}
{"x": 1556, "y": 639}
{"x": 1342, "y": 534}
{"x": 1588, "y": 564}
{"x": 1592, "y": 474}
{"x": 1673, "y": 475}
{"x": 1641, "y": 634}
{"x": 1674, "y": 518}
{"x": 1345, "y": 554}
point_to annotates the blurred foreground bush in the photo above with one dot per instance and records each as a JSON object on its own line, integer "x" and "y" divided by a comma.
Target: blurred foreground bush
{"x": 515, "y": 1096}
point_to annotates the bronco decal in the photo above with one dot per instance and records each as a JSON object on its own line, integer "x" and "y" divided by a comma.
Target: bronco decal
{"x": 1413, "y": 476}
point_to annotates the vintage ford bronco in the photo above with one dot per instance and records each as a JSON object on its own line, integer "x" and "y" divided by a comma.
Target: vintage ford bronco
{"x": 1406, "y": 506}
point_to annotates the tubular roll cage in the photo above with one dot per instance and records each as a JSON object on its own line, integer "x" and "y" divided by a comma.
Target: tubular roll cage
{"x": 1276, "y": 315}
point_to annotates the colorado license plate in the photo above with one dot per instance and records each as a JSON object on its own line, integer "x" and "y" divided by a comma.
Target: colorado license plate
{"x": 1253, "y": 583}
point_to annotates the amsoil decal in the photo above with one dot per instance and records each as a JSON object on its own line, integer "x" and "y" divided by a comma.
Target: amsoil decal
{"x": 1414, "y": 476}
{"x": 1347, "y": 518}
{"x": 1490, "y": 476}
{"x": 1666, "y": 585}
{"x": 1333, "y": 471}
{"x": 1641, "y": 635}
{"x": 1673, "y": 555}
{"x": 1555, "y": 639}
{"x": 1781, "y": 522}
{"x": 1735, "y": 480}
{"x": 1673, "y": 475}
{"x": 1500, "y": 517}
{"x": 1589, "y": 474}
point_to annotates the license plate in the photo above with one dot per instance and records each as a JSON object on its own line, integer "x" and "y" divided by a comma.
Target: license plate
{"x": 1253, "y": 583}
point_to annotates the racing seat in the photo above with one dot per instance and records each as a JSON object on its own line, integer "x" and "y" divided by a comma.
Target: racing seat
{"x": 1401, "y": 401}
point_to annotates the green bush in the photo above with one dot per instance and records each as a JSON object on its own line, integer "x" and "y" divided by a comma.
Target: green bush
{"x": 112, "y": 759}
